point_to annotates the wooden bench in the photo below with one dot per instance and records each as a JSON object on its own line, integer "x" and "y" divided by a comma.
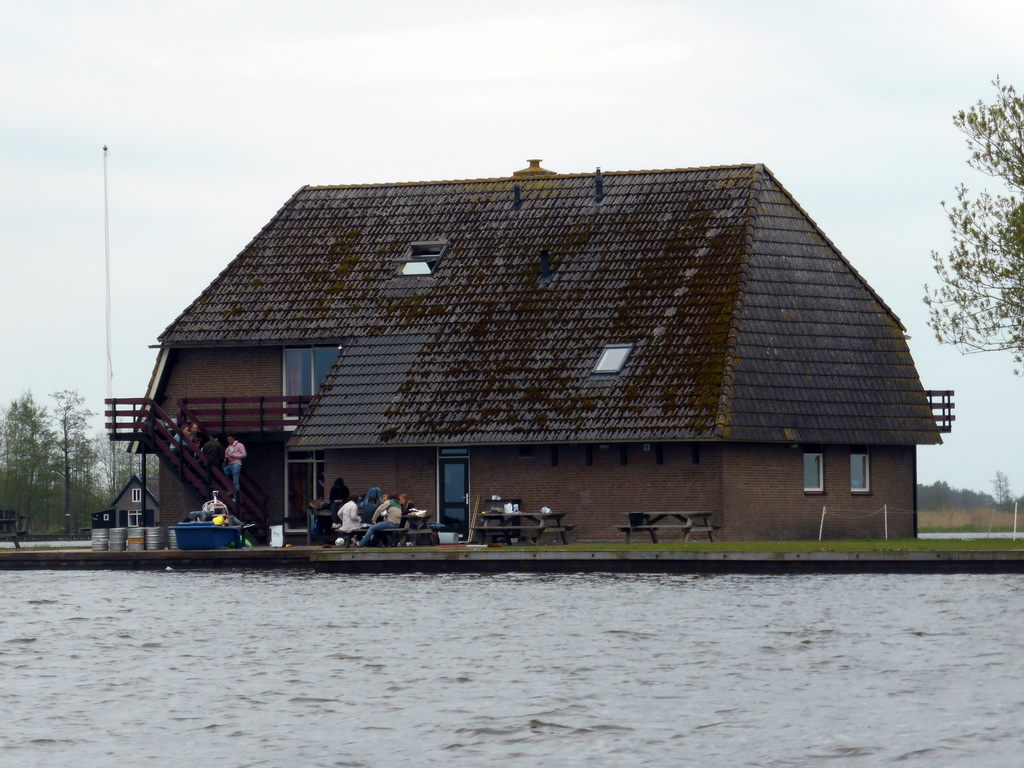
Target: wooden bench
{"x": 393, "y": 537}
{"x": 350, "y": 537}
{"x": 532, "y": 532}
{"x": 397, "y": 536}
{"x": 688, "y": 530}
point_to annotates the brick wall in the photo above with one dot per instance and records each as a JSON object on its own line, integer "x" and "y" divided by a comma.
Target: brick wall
{"x": 763, "y": 496}
{"x": 755, "y": 490}
{"x": 225, "y": 372}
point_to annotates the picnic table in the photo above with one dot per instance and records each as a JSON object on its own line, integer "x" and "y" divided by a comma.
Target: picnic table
{"x": 530, "y": 526}
{"x": 414, "y": 526}
{"x": 11, "y": 527}
{"x": 688, "y": 522}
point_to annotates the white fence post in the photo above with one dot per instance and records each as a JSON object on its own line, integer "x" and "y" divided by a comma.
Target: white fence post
{"x": 821, "y": 528}
{"x": 885, "y": 512}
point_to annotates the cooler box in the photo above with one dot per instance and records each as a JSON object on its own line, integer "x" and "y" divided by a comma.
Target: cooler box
{"x": 206, "y": 535}
{"x": 277, "y": 535}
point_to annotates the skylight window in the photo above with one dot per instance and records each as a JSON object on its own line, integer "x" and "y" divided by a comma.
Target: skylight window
{"x": 421, "y": 258}
{"x": 613, "y": 357}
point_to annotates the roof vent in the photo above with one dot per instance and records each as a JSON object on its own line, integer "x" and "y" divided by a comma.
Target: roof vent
{"x": 545, "y": 267}
{"x": 517, "y": 197}
{"x": 534, "y": 170}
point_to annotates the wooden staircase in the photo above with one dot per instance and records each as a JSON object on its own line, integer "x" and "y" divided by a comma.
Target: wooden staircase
{"x": 142, "y": 421}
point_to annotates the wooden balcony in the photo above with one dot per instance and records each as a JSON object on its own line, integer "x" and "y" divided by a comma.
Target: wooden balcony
{"x": 941, "y": 401}
{"x": 248, "y": 415}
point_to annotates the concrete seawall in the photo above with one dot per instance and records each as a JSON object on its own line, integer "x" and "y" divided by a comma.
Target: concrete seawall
{"x": 500, "y": 560}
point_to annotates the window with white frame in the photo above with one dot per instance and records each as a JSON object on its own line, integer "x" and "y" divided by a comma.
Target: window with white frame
{"x": 860, "y": 469}
{"x": 814, "y": 468}
{"x": 136, "y": 495}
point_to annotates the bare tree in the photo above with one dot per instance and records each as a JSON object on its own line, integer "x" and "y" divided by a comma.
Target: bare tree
{"x": 1001, "y": 491}
{"x": 77, "y": 458}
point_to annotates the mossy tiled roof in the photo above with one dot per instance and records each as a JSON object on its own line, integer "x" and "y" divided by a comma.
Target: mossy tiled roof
{"x": 746, "y": 322}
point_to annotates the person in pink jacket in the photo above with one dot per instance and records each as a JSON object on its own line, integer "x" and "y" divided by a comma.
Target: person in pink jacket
{"x": 233, "y": 456}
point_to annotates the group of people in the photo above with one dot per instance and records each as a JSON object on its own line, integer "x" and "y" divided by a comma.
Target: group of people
{"x": 353, "y": 514}
{"x": 217, "y": 455}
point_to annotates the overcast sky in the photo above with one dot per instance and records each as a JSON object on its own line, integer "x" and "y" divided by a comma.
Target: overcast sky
{"x": 216, "y": 112}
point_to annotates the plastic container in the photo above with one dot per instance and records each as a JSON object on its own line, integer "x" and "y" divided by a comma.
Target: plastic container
{"x": 206, "y": 535}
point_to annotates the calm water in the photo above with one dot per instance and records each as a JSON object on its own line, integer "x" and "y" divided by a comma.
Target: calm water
{"x": 270, "y": 669}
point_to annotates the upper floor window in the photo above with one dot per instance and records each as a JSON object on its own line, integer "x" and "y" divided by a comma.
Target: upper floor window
{"x": 422, "y": 258}
{"x": 136, "y": 495}
{"x": 860, "y": 469}
{"x": 306, "y": 367}
{"x": 814, "y": 468}
{"x": 613, "y": 358}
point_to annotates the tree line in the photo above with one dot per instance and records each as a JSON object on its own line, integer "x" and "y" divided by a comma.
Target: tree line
{"x": 52, "y": 471}
{"x": 941, "y": 496}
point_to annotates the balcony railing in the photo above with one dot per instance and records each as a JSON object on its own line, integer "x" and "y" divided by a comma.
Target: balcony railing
{"x": 941, "y": 401}
{"x": 245, "y": 414}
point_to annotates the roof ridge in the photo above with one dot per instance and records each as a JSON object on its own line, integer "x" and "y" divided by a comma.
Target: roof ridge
{"x": 725, "y": 392}
{"x": 520, "y": 179}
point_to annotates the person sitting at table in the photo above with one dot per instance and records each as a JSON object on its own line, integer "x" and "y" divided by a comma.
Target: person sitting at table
{"x": 369, "y": 503}
{"x": 348, "y": 516}
{"x": 389, "y": 515}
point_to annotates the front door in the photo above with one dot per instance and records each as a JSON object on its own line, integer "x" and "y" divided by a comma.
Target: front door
{"x": 305, "y": 482}
{"x": 453, "y": 473}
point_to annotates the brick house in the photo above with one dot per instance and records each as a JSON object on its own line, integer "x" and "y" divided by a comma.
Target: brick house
{"x": 601, "y": 342}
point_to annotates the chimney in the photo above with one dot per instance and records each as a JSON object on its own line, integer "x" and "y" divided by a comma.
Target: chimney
{"x": 534, "y": 170}
{"x": 598, "y": 187}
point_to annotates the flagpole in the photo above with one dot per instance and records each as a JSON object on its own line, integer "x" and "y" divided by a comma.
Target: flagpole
{"x": 106, "y": 243}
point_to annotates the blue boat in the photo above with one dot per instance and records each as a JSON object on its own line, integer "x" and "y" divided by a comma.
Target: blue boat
{"x": 207, "y": 535}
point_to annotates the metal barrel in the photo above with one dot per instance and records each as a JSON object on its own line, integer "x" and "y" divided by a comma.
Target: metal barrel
{"x": 136, "y": 540}
{"x": 156, "y": 537}
{"x": 172, "y": 538}
{"x": 117, "y": 539}
{"x": 100, "y": 539}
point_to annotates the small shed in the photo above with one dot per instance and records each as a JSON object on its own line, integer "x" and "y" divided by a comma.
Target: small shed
{"x": 128, "y": 510}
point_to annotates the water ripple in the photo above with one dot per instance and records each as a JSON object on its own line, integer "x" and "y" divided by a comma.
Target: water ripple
{"x": 271, "y": 669}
